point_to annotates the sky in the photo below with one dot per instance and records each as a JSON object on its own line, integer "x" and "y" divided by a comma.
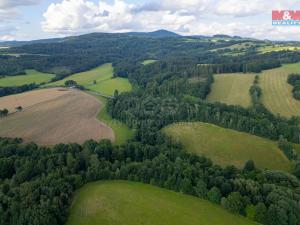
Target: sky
{"x": 39, "y": 19}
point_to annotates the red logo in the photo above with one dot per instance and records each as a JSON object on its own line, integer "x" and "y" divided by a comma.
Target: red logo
{"x": 285, "y": 14}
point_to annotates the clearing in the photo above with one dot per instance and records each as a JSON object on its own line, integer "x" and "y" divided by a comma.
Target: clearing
{"x": 99, "y": 79}
{"x": 52, "y": 116}
{"x": 129, "y": 203}
{"x": 228, "y": 147}
{"x": 277, "y": 93}
{"x": 32, "y": 76}
{"x": 149, "y": 61}
{"x": 232, "y": 89}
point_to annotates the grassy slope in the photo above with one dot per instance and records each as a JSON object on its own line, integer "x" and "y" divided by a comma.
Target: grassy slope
{"x": 277, "y": 93}
{"x": 232, "y": 89}
{"x": 128, "y": 203}
{"x": 276, "y": 48}
{"x": 32, "y": 76}
{"x": 148, "y": 61}
{"x": 103, "y": 75}
{"x": 228, "y": 147}
{"x": 121, "y": 130}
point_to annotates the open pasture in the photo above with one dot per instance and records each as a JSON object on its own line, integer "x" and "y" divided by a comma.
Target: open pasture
{"x": 128, "y": 203}
{"x": 52, "y": 116}
{"x": 232, "y": 89}
{"x": 277, "y": 93}
{"x": 32, "y": 76}
{"x": 228, "y": 147}
{"x": 99, "y": 79}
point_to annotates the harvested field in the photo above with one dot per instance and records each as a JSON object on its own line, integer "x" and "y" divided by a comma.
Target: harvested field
{"x": 277, "y": 93}
{"x": 52, "y": 116}
{"x": 31, "y": 98}
{"x": 232, "y": 89}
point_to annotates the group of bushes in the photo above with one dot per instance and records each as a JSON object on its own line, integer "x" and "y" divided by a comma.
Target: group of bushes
{"x": 3, "y": 112}
{"x": 294, "y": 80}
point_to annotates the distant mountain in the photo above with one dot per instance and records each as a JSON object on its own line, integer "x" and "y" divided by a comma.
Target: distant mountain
{"x": 222, "y": 36}
{"x": 155, "y": 34}
{"x": 20, "y": 43}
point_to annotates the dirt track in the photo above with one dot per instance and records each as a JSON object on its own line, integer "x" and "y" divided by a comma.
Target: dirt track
{"x": 58, "y": 117}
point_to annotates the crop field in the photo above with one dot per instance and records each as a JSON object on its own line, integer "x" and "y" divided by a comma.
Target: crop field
{"x": 121, "y": 130}
{"x": 228, "y": 147}
{"x": 52, "y": 116}
{"x": 32, "y": 76}
{"x": 128, "y": 203}
{"x": 149, "y": 61}
{"x": 99, "y": 79}
{"x": 232, "y": 89}
{"x": 277, "y": 93}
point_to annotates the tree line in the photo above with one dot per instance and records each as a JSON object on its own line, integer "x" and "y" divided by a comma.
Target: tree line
{"x": 37, "y": 183}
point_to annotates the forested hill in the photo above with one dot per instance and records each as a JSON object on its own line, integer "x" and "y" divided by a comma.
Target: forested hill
{"x": 79, "y": 53}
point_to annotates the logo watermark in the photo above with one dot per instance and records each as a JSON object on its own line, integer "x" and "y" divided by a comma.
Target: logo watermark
{"x": 286, "y": 17}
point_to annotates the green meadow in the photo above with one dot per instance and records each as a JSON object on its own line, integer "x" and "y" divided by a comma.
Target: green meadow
{"x": 121, "y": 130}
{"x": 32, "y": 76}
{"x": 128, "y": 203}
{"x": 99, "y": 79}
{"x": 149, "y": 61}
{"x": 228, "y": 147}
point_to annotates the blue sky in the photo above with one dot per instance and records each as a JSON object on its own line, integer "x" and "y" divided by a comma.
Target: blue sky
{"x": 36, "y": 19}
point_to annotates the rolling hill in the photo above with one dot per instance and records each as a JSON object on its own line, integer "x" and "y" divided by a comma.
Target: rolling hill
{"x": 99, "y": 79}
{"x": 52, "y": 116}
{"x": 128, "y": 203}
{"x": 228, "y": 147}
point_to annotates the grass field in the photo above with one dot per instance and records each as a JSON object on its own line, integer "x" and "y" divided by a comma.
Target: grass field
{"x": 32, "y": 76}
{"x": 128, "y": 203}
{"x": 121, "y": 130}
{"x": 105, "y": 82}
{"x": 149, "y": 61}
{"x": 277, "y": 93}
{"x": 228, "y": 147}
{"x": 52, "y": 116}
{"x": 232, "y": 89}
{"x": 276, "y": 48}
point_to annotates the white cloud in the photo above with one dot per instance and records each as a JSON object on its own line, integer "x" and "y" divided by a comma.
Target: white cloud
{"x": 205, "y": 17}
{"x": 4, "y": 4}
{"x": 241, "y": 8}
{"x": 76, "y": 16}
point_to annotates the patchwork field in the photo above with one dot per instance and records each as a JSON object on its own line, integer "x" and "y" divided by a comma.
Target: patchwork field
{"x": 121, "y": 130}
{"x": 99, "y": 79}
{"x": 52, "y": 116}
{"x": 232, "y": 89}
{"x": 228, "y": 147}
{"x": 277, "y": 93}
{"x": 32, "y": 76}
{"x": 128, "y": 203}
{"x": 149, "y": 61}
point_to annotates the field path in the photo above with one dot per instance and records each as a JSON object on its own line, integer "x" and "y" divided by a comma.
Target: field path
{"x": 70, "y": 117}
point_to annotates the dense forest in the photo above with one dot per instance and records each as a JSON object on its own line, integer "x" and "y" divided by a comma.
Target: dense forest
{"x": 37, "y": 183}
